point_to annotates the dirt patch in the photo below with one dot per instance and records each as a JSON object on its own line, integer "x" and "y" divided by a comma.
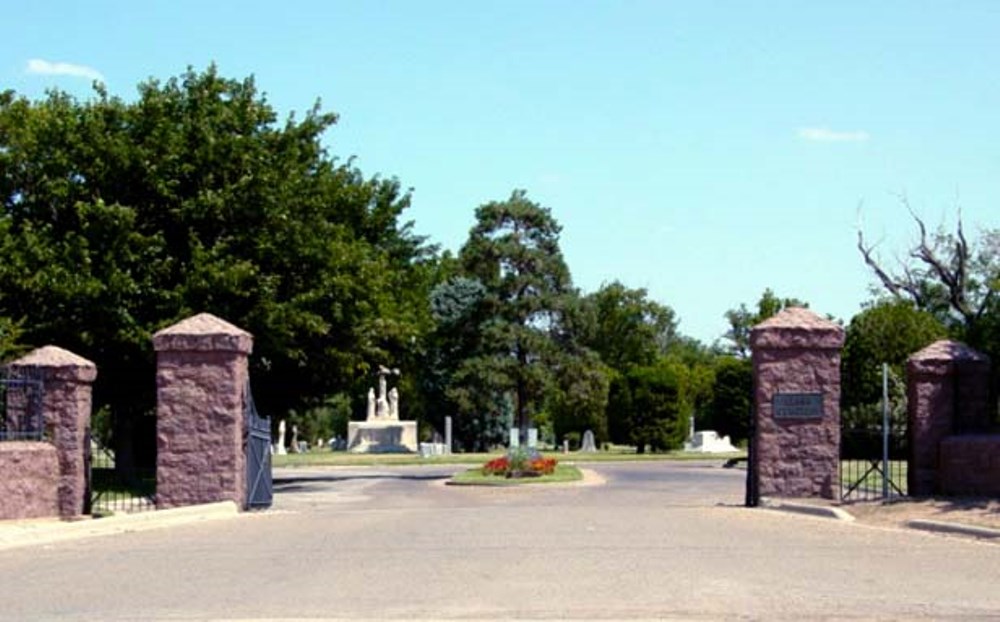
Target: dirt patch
{"x": 977, "y": 512}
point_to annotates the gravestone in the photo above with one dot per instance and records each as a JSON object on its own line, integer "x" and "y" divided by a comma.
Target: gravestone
{"x": 532, "y": 438}
{"x": 447, "y": 434}
{"x": 708, "y": 442}
{"x": 514, "y": 439}
{"x": 587, "y": 445}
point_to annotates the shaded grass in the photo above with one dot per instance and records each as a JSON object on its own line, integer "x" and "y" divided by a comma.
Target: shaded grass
{"x": 340, "y": 458}
{"x": 475, "y": 477}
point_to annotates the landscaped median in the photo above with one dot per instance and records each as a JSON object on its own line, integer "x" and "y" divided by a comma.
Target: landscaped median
{"x": 563, "y": 473}
{"x": 519, "y": 466}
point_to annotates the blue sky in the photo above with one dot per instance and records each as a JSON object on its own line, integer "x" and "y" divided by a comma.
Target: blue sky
{"x": 701, "y": 150}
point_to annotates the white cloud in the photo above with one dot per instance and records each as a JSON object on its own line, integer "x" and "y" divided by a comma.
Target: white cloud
{"x": 48, "y": 68}
{"x": 826, "y": 135}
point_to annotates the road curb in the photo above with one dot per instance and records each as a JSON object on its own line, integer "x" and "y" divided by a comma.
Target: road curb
{"x": 821, "y": 511}
{"x": 953, "y": 528}
{"x": 29, "y": 533}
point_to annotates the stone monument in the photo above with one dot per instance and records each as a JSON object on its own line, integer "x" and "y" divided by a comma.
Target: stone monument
{"x": 382, "y": 431}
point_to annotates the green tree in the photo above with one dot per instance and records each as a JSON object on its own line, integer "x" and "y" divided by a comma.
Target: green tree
{"x": 731, "y": 399}
{"x": 645, "y": 408}
{"x": 742, "y": 320}
{"x": 886, "y": 332}
{"x": 120, "y": 217}
{"x": 626, "y": 328}
{"x": 513, "y": 251}
{"x": 10, "y": 334}
{"x": 951, "y": 277}
{"x": 579, "y": 400}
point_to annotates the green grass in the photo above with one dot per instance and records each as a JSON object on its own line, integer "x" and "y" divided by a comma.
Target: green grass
{"x": 852, "y": 470}
{"x": 564, "y": 473}
{"x": 340, "y": 458}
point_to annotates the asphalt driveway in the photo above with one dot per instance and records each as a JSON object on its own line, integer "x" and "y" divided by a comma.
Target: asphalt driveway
{"x": 655, "y": 540}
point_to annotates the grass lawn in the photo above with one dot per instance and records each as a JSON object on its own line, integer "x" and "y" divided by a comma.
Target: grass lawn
{"x": 474, "y": 477}
{"x": 325, "y": 458}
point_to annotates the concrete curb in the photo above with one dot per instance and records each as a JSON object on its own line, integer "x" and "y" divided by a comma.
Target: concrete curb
{"x": 29, "y": 533}
{"x": 821, "y": 511}
{"x": 953, "y": 528}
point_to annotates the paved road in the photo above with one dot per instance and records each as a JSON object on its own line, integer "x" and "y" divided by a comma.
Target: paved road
{"x": 658, "y": 540}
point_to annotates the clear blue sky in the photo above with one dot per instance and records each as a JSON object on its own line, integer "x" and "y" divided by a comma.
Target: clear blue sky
{"x": 702, "y": 150}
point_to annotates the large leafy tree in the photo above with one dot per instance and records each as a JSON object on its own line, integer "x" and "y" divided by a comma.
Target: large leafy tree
{"x": 646, "y": 407}
{"x": 625, "y": 327}
{"x": 729, "y": 408}
{"x": 119, "y": 218}
{"x": 513, "y": 251}
{"x": 886, "y": 332}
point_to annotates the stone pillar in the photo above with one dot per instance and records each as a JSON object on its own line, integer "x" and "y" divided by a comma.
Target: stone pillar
{"x": 201, "y": 376}
{"x": 947, "y": 392}
{"x": 66, "y": 402}
{"x": 796, "y": 366}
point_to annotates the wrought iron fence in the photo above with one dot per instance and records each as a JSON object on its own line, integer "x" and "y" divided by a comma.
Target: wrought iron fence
{"x": 874, "y": 446}
{"x": 115, "y": 489}
{"x": 22, "y": 417}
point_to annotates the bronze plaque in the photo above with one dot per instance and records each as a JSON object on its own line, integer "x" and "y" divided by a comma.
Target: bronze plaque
{"x": 797, "y": 406}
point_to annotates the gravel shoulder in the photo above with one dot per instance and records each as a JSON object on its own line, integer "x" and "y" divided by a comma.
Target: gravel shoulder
{"x": 978, "y": 512}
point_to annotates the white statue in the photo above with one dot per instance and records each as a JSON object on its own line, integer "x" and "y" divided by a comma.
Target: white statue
{"x": 394, "y": 404}
{"x": 281, "y": 438}
{"x": 383, "y": 409}
{"x": 370, "y": 414}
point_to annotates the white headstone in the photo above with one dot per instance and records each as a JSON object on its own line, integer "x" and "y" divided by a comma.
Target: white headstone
{"x": 588, "y": 445}
{"x": 515, "y": 438}
{"x": 447, "y": 434}
{"x": 532, "y": 438}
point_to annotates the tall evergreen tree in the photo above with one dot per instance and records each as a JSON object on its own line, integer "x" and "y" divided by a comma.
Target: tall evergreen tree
{"x": 513, "y": 251}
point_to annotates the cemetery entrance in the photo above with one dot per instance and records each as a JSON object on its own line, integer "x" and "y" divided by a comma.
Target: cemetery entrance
{"x": 874, "y": 447}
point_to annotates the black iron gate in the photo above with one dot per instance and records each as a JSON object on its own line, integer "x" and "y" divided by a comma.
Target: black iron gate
{"x": 258, "y": 456}
{"x": 874, "y": 447}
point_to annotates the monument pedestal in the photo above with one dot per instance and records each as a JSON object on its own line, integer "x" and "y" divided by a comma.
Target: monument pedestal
{"x": 382, "y": 437}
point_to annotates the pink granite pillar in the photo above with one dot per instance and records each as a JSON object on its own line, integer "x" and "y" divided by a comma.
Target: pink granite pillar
{"x": 796, "y": 366}
{"x": 201, "y": 376}
{"x": 947, "y": 391}
{"x": 66, "y": 402}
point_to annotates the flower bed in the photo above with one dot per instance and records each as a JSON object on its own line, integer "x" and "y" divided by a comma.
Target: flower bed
{"x": 520, "y": 463}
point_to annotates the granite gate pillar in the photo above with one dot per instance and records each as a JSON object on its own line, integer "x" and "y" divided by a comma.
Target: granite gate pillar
{"x": 796, "y": 367}
{"x": 201, "y": 377}
{"x": 67, "y": 404}
{"x": 948, "y": 398}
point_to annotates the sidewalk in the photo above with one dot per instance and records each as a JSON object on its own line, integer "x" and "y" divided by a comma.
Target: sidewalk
{"x": 32, "y": 532}
{"x": 972, "y": 517}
